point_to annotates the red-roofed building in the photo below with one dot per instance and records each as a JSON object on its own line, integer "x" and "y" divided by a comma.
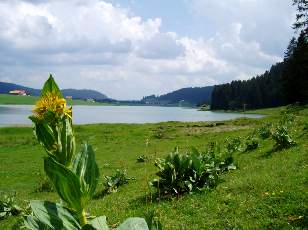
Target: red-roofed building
{"x": 18, "y": 92}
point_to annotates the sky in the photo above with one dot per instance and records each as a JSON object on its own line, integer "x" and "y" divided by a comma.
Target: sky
{"x": 128, "y": 49}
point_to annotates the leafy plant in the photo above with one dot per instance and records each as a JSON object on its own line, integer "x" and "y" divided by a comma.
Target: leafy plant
{"x": 265, "y": 131}
{"x": 112, "y": 183}
{"x": 233, "y": 144}
{"x": 9, "y": 208}
{"x": 286, "y": 118}
{"x": 282, "y": 138}
{"x": 252, "y": 143}
{"x": 186, "y": 173}
{"x": 74, "y": 176}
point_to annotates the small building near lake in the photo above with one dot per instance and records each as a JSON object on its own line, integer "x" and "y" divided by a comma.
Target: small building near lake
{"x": 18, "y": 92}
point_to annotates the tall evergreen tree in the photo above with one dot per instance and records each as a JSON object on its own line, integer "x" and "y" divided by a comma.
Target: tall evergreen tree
{"x": 302, "y": 15}
{"x": 290, "y": 49}
{"x": 295, "y": 80}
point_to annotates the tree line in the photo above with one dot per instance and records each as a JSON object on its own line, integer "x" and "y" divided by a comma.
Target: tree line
{"x": 285, "y": 83}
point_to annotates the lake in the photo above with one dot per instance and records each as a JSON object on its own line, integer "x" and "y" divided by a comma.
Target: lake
{"x": 18, "y": 114}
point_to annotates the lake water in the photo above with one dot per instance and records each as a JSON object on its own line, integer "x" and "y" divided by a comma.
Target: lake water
{"x": 18, "y": 114}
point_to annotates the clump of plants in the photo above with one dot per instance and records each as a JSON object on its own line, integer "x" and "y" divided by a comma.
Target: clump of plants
{"x": 74, "y": 176}
{"x": 282, "y": 138}
{"x": 112, "y": 183}
{"x": 189, "y": 172}
{"x": 233, "y": 144}
{"x": 252, "y": 143}
{"x": 8, "y": 207}
{"x": 286, "y": 117}
{"x": 265, "y": 131}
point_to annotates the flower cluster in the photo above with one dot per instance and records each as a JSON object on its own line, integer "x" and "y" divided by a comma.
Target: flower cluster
{"x": 51, "y": 103}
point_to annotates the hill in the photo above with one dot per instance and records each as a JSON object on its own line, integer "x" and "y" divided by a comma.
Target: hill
{"x": 193, "y": 96}
{"x": 5, "y": 88}
{"x": 263, "y": 91}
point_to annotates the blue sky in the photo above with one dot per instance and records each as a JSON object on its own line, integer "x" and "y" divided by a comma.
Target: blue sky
{"x": 128, "y": 48}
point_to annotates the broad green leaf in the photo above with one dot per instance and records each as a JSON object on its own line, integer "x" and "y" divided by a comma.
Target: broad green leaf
{"x": 31, "y": 222}
{"x": 66, "y": 183}
{"x": 99, "y": 223}
{"x": 86, "y": 168}
{"x": 52, "y": 215}
{"x": 44, "y": 134}
{"x": 134, "y": 223}
{"x": 51, "y": 87}
{"x": 66, "y": 141}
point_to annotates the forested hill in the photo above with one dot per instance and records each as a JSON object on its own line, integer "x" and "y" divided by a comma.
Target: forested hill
{"x": 5, "y": 88}
{"x": 259, "y": 92}
{"x": 193, "y": 96}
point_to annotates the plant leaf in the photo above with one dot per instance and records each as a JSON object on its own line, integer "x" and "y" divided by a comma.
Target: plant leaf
{"x": 66, "y": 183}
{"x": 44, "y": 134}
{"x": 134, "y": 223}
{"x": 66, "y": 141}
{"x": 51, "y": 87}
{"x": 48, "y": 215}
{"x": 31, "y": 222}
{"x": 99, "y": 223}
{"x": 86, "y": 168}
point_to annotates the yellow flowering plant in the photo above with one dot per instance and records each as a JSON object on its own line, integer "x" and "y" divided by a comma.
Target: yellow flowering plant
{"x": 74, "y": 176}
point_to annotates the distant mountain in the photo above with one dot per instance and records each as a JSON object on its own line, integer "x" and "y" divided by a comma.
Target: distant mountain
{"x": 194, "y": 96}
{"x": 5, "y": 88}
{"x": 84, "y": 94}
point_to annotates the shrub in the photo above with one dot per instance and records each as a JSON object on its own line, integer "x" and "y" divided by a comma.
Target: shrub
{"x": 252, "y": 143}
{"x": 233, "y": 144}
{"x": 286, "y": 118}
{"x": 265, "y": 131}
{"x": 186, "y": 173}
{"x": 282, "y": 138}
{"x": 112, "y": 183}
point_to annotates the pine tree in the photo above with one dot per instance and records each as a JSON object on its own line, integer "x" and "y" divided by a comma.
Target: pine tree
{"x": 295, "y": 81}
{"x": 302, "y": 15}
{"x": 290, "y": 49}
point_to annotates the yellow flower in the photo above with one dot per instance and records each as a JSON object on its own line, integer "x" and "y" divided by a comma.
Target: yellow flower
{"x": 53, "y": 103}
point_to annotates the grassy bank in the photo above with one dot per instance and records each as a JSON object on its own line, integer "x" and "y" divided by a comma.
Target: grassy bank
{"x": 267, "y": 191}
{"x": 6, "y": 99}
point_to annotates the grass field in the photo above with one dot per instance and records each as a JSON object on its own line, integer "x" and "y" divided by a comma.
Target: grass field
{"x": 6, "y": 99}
{"x": 269, "y": 190}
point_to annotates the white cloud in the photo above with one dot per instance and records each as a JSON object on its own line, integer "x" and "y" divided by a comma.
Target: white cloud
{"x": 94, "y": 44}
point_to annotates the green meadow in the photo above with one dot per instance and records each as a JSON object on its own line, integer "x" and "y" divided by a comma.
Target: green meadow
{"x": 269, "y": 189}
{"x": 6, "y": 99}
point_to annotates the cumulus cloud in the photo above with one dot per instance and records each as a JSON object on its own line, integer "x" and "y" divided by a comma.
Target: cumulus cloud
{"x": 95, "y": 44}
{"x": 266, "y": 22}
{"x": 160, "y": 46}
